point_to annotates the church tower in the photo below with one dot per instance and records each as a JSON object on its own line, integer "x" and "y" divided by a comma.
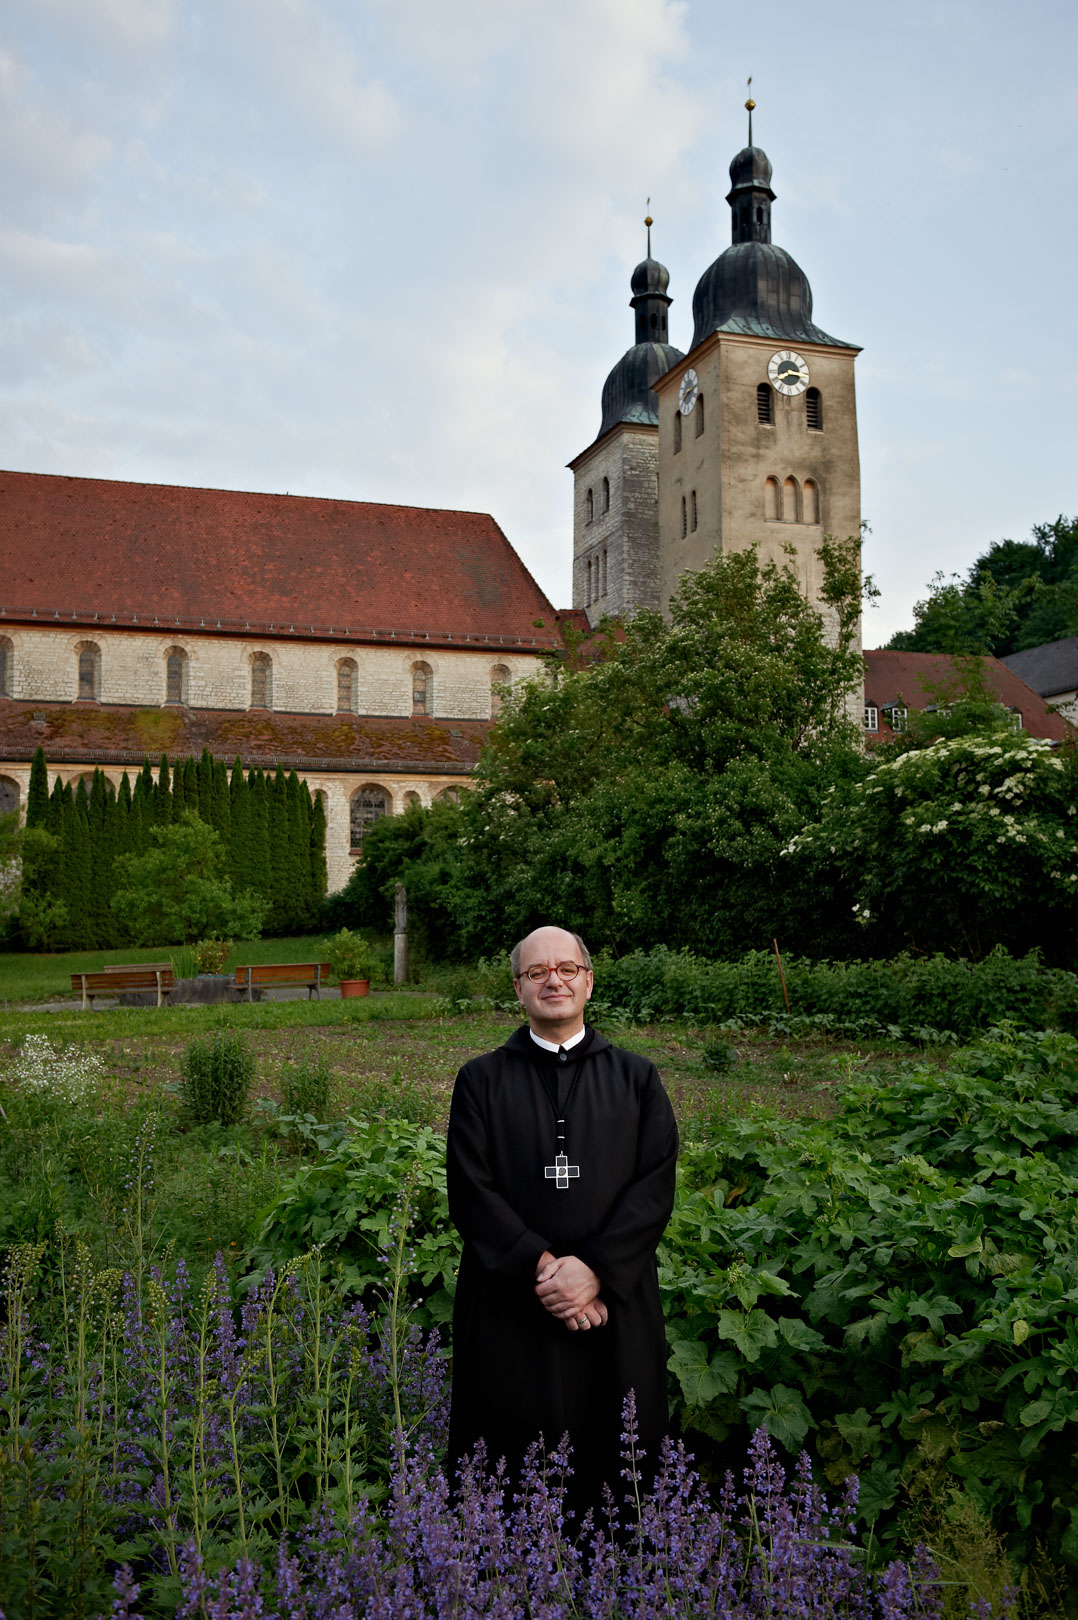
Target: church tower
{"x": 758, "y": 422}
{"x": 616, "y": 562}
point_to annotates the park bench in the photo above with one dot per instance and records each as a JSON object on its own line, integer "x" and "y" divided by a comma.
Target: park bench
{"x": 266, "y": 975}
{"x": 120, "y": 980}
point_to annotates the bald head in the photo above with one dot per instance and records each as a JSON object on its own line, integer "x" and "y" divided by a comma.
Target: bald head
{"x": 559, "y": 943}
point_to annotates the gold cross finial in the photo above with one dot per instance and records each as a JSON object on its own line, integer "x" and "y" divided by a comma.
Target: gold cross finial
{"x": 749, "y": 105}
{"x": 649, "y": 222}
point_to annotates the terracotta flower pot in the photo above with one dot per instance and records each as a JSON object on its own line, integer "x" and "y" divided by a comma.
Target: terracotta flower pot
{"x": 355, "y": 987}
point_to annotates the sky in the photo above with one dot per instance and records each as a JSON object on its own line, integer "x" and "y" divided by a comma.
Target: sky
{"x": 381, "y": 249}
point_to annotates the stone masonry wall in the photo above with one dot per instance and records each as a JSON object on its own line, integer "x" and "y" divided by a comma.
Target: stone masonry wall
{"x": 218, "y": 674}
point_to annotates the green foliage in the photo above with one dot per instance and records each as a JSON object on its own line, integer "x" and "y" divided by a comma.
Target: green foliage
{"x": 306, "y": 1087}
{"x": 897, "y": 1288}
{"x": 645, "y": 766}
{"x": 963, "y": 703}
{"x": 217, "y": 1076}
{"x": 918, "y": 997}
{"x": 178, "y": 889}
{"x": 1017, "y": 594}
{"x": 942, "y": 848}
{"x": 345, "y": 1203}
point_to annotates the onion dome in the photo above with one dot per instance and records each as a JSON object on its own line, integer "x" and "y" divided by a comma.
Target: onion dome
{"x": 755, "y": 287}
{"x": 627, "y": 392}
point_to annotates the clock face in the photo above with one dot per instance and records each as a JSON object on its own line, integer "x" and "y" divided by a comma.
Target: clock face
{"x": 787, "y": 372}
{"x": 686, "y": 394}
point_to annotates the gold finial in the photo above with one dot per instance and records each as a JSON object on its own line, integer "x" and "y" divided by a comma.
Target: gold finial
{"x": 649, "y": 222}
{"x": 749, "y": 105}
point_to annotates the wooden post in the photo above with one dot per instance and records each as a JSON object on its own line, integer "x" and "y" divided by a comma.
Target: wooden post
{"x": 400, "y": 934}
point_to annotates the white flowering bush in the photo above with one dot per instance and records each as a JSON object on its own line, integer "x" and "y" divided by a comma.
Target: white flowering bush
{"x": 959, "y": 847}
{"x": 67, "y": 1074}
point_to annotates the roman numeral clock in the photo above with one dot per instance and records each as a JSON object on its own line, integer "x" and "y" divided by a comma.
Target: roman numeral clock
{"x": 787, "y": 372}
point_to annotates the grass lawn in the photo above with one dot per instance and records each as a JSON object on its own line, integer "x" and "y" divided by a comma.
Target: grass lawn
{"x": 29, "y": 977}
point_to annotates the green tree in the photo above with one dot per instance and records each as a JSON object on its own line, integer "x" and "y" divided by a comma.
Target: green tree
{"x": 645, "y": 786}
{"x": 178, "y": 891}
{"x": 37, "y": 797}
{"x": 1018, "y": 593}
{"x": 163, "y": 795}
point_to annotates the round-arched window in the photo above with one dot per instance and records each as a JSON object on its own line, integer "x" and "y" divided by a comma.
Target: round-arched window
{"x": 368, "y": 805}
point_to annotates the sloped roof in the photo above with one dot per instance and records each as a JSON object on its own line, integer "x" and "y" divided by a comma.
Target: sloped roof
{"x": 900, "y": 677}
{"x": 1050, "y": 669}
{"x": 107, "y": 734}
{"x": 215, "y": 558}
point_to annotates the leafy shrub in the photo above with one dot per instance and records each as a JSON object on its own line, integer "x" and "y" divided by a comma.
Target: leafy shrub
{"x": 904, "y": 995}
{"x": 345, "y": 1202}
{"x": 719, "y": 1056}
{"x": 217, "y": 1075}
{"x": 306, "y": 1087}
{"x": 210, "y": 955}
{"x": 897, "y": 1287}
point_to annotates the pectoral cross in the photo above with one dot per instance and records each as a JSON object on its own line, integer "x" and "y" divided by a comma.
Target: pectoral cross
{"x": 561, "y": 1172}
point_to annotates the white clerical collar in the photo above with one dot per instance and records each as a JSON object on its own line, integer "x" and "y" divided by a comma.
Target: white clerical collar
{"x": 552, "y": 1046}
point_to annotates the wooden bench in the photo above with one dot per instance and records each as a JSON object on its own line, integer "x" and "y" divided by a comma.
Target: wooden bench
{"x": 119, "y": 981}
{"x": 267, "y": 974}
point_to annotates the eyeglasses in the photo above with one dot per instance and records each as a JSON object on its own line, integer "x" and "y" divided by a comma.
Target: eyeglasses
{"x": 566, "y": 971}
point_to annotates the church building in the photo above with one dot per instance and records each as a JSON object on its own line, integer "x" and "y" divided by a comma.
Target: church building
{"x": 749, "y": 439}
{"x": 368, "y": 647}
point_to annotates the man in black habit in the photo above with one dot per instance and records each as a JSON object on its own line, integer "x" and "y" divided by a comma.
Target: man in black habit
{"x": 560, "y": 1165}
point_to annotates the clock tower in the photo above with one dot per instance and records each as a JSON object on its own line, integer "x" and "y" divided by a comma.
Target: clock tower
{"x": 758, "y": 422}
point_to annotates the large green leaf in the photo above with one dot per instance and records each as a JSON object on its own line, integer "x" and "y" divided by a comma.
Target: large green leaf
{"x": 781, "y": 1411}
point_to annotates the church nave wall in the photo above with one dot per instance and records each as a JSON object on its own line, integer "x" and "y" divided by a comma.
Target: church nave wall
{"x": 219, "y": 672}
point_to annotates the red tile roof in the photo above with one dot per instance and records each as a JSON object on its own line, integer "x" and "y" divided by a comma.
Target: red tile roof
{"x": 95, "y": 734}
{"x": 901, "y": 677}
{"x": 80, "y": 548}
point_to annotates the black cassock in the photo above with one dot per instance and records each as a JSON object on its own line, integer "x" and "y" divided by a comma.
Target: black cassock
{"x": 518, "y": 1372}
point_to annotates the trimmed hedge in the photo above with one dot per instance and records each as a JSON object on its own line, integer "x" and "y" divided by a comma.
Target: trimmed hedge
{"x": 905, "y": 993}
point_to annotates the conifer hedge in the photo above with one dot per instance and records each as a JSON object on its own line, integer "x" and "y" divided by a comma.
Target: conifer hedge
{"x": 272, "y": 829}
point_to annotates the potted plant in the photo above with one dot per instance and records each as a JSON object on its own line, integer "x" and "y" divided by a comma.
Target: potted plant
{"x": 350, "y": 963}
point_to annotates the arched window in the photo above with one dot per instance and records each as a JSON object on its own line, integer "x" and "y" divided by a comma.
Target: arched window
{"x": 422, "y": 689}
{"x": 677, "y": 431}
{"x": 261, "y": 681}
{"x": 500, "y": 678}
{"x": 89, "y": 670}
{"x": 814, "y": 411}
{"x": 602, "y": 573}
{"x": 765, "y": 408}
{"x": 367, "y": 805}
{"x": 588, "y": 598}
{"x": 589, "y": 507}
{"x": 699, "y": 414}
{"x": 347, "y": 686}
{"x": 771, "y": 500}
{"x": 606, "y": 494}
{"x": 684, "y": 518}
{"x": 449, "y": 795}
{"x": 810, "y": 501}
{"x": 789, "y": 501}
{"x": 9, "y": 795}
{"x": 175, "y": 675}
{"x": 692, "y": 505}
{"x": 412, "y": 797}
{"x": 7, "y": 666}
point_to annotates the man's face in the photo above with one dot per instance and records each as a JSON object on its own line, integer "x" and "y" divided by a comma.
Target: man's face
{"x": 552, "y": 1000}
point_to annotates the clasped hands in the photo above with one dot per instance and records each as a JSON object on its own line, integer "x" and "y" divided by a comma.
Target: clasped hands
{"x": 569, "y": 1290}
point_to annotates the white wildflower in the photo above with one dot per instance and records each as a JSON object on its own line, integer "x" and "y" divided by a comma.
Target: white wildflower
{"x": 68, "y": 1074}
